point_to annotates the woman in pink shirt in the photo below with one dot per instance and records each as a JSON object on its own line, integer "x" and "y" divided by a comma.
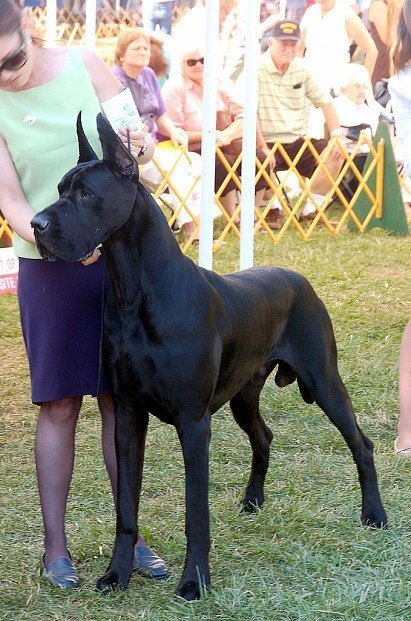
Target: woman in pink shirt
{"x": 183, "y": 97}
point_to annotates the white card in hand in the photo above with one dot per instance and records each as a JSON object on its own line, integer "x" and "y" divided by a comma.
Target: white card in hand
{"x": 121, "y": 111}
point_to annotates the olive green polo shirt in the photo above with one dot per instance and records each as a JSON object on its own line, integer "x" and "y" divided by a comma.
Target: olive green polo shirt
{"x": 284, "y": 100}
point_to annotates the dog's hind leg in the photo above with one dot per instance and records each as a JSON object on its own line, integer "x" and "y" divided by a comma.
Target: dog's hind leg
{"x": 333, "y": 399}
{"x": 130, "y": 435}
{"x": 245, "y": 408}
{"x": 315, "y": 362}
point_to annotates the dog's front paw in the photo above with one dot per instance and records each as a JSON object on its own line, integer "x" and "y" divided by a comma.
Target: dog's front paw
{"x": 191, "y": 590}
{"x": 111, "y": 581}
{"x": 375, "y": 519}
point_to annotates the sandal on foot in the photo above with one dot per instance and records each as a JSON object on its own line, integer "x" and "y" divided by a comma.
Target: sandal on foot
{"x": 61, "y": 573}
{"x": 146, "y": 563}
{"x": 404, "y": 452}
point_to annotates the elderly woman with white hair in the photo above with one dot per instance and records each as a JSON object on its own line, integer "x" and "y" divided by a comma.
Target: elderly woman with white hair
{"x": 355, "y": 104}
{"x": 183, "y": 96}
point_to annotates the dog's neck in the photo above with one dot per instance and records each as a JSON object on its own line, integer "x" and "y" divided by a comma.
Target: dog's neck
{"x": 147, "y": 247}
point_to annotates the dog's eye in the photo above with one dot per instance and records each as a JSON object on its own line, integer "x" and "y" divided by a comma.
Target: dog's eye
{"x": 85, "y": 193}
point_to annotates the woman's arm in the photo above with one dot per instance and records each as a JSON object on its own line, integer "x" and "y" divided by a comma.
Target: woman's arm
{"x": 174, "y": 97}
{"x": 106, "y": 85}
{"x": 378, "y": 15}
{"x": 104, "y": 81}
{"x": 301, "y": 44}
{"x": 167, "y": 127}
{"x": 13, "y": 203}
{"x": 360, "y": 35}
{"x": 230, "y": 133}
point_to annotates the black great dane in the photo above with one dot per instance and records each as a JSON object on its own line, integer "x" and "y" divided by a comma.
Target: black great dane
{"x": 181, "y": 341}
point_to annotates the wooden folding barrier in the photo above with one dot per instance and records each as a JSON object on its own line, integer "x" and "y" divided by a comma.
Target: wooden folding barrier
{"x": 333, "y": 214}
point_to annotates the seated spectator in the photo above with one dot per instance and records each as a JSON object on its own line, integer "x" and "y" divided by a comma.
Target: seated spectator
{"x": 183, "y": 96}
{"x": 355, "y": 104}
{"x": 356, "y": 108}
{"x": 285, "y": 89}
{"x": 132, "y": 57}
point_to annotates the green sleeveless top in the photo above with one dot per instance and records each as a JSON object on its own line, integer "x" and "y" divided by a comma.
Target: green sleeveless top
{"x": 39, "y": 127}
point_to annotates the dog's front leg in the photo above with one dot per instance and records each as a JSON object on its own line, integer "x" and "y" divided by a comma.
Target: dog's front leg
{"x": 130, "y": 435}
{"x": 195, "y": 437}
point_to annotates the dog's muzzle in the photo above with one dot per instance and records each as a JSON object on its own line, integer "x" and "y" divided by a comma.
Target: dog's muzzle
{"x": 40, "y": 224}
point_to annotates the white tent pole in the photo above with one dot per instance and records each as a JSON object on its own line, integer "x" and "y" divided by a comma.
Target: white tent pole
{"x": 251, "y": 59}
{"x": 51, "y": 22}
{"x": 91, "y": 24}
{"x": 211, "y": 63}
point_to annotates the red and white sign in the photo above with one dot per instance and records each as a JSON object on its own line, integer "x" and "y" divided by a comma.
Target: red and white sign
{"x": 9, "y": 269}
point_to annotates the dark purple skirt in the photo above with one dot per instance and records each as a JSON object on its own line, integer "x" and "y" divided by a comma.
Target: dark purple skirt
{"x": 61, "y": 310}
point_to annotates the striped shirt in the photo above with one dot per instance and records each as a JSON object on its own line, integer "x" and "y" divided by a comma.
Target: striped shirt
{"x": 284, "y": 99}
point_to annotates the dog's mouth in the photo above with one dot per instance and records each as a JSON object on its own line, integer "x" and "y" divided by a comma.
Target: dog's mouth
{"x": 87, "y": 256}
{"x": 48, "y": 255}
{"x": 45, "y": 252}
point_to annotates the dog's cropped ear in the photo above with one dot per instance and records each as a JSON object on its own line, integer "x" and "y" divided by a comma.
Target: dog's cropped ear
{"x": 115, "y": 152}
{"x": 86, "y": 152}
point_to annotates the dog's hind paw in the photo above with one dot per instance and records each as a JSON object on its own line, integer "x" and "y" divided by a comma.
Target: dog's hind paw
{"x": 110, "y": 581}
{"x": 250, "y": 505}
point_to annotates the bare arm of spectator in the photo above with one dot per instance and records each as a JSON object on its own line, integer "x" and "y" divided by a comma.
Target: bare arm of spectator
{"x": 331, "y": 118}
{"x": 267, "y": 24}
{"x": 261, "y": 144}
{"x": 230, "y": 133}
{"x": 301, "y": 43}
{"x": 378, "y": 14}
{"x": 360, "y": 35}
{"x": 177, "y": 134}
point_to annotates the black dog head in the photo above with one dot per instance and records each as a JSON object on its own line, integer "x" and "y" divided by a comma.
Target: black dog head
{"x": 96, "y": 198}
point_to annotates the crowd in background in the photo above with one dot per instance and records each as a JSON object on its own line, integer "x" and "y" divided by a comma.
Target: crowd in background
{"x": 335, "y": 38}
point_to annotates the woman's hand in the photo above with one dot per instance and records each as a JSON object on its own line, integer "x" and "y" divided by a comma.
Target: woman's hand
{"x": 93, "y": 257}
{"x": 222, "y": 139}
{"x": 138, "y": 137}
{"x": 178, "y": 136}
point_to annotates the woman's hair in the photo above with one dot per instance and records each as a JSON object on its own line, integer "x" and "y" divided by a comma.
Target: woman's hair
{"x": 191, "y": 48}
{"x": 354, "y": 73}
{"x": 158, "y": 61}
{"x": 126, "y": 37}
{"x": 10, "y": 17}
{"x": 402, "y": 50}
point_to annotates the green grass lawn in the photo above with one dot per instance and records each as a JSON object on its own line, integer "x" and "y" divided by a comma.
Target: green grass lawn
{"x": 305, "y": 555}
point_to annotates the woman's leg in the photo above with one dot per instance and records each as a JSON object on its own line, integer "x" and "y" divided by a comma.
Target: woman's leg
{"x": 184, "y": 181}
{"x": 228, "y": 201}
{"x": 106, "y": 407}
{"x": 404, "y": 421}
{"x": 54, "y": 463}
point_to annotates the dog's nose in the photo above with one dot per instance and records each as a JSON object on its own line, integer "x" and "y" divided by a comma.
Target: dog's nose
{"x": 40, "y": 222}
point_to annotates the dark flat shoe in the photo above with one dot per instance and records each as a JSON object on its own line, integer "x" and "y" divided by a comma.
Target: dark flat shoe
{"x": 148, "y": 564}
{"x": 61, "y": 573}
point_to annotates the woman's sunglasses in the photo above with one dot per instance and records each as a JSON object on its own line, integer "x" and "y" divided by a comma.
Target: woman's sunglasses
{"x": 191, "y": 62}
{"x": 17, "y": 60}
